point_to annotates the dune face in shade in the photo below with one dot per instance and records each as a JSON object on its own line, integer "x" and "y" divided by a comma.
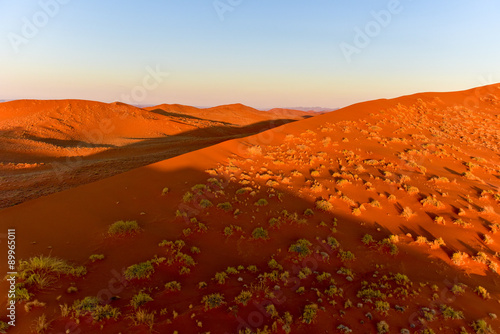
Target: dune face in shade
{"x": 49, "y": 146}
{"x": 377, "y": 217}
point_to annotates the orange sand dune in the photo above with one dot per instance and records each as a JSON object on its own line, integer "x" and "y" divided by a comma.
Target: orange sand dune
{"x": 237, "y": 114}
{"x": 48, "y": 146}
{"x": 380, "y": 217}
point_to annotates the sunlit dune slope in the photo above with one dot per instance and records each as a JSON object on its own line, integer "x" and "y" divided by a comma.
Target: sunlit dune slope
{"x": 382, "y": 217}
{"x": 237, "y": 114}
{"x": 49, "y": 146}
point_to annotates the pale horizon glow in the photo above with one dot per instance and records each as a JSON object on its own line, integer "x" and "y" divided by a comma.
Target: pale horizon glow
{"x": 264, "y": 55}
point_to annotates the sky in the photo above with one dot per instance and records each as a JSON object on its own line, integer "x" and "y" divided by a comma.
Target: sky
{"x": 262, "y": 53}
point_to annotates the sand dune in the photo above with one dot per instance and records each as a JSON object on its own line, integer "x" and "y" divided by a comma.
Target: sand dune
{"x": 48, "y": 146}
{"x": 384, "y": 213}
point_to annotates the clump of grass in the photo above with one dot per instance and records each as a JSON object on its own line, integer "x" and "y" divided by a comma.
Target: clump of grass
{"x": 123, "y": 227}
{"x": 139, "y": 271}
{"x": 461, "y": 223}
{"x": 259, "y": 233}
{"x": 140, "y": 299}
{"x": 308, "y": 212}
{"x": 261, "y": 202}
{"x": 213, "y": 300}
{"x": 432, "y": 201}
{"x": 187, "y": 197}
{"x": 226, "y": 206}
{"x": 324, "y": 205}
{"x": 221, "y": 277}
{"x": 487, "y": 239}
{"x": 439, "y": 220}
{"x": 92, "y": 306}
{"x": 346, "y": 256}
{"x": 481, "y": 327}
{"x": 301, "y": 247}
{"x": 143, "y": 317}
{"x": 449, "y": 313}
{"x": 96, "y": 257}
{"x": 382, "y": 327}
{"x": 482, "y": 292}
{"x": 411, "y": 189}
{"x": 4, "y": 326}
{"x": 459, "y": 258}
{"x": 367, "y": 239}
{"x": 43, "y": 271}
{"x": 309, "y": 314}
{"x": 244, "y": 297}
{"x": 42, "y": 324}
{"x": 173, "y": 286}
{"x": 356, "y": 211}
{"x": 343, "y": 182}
{"x": 407, "y": 213}
{"x": 458, "y": 289}
{"x": 332, "y": 242}
{"x": 255, "y": 150}
{"x": 205, "y": 203}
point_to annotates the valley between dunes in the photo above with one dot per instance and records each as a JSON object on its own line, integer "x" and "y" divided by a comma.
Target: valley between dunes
{"x": 381, "y": 217}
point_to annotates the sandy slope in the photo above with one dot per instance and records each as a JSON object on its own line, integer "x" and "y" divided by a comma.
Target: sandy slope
{"x": 386, "y": 168}
{"x": 48, "y": 146}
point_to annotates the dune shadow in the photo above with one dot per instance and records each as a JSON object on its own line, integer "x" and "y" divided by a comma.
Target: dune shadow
{"x": 451, "y": 171}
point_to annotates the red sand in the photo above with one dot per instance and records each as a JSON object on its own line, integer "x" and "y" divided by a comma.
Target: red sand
{"x": 437, "y": 153}
{"x": 49, "y": 146}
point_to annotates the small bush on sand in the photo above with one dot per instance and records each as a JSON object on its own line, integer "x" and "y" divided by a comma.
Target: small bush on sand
{"x": 259, "y": 233}
{"x": 123, "y": 227}
{"x": 261, "y": 202}
{"x": 213, "y": 300}
{"x": 324, "y": 205}
{"x": 482, "y": 292}
{"x": 301, "y": 247}
{"x": 139, "y": 271}
{"x": 458, "y": 258}
{"x": 140, "y": 299}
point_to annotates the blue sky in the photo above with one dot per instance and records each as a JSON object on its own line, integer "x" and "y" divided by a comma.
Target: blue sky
{"x": 279, "y": 53}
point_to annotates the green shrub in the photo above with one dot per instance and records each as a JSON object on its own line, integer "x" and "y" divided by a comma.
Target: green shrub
{"x": 450, "y": 313}
{"x": 43, "y": 271}
{"x": 140, "y": 299}
{"x": 92, "y": 306}
{"x": 301, "y": 247}
{"x": 96, "y": 257}
{"x": 308, "y": 212}
{"x": 482, "y": 292}
{"x": 244, "y": 297}
{"x": 367, "y": 239}
{"x": 213, "y": 300}
{"x": 173, "y": 286}
{"x": 309, "y": 313}
{"x": 382, "y": 327}
{"x": 261, "y": 202}
{"x": 324, "y": 205}
{"x": 123, "y": 227}
{"x": 259, "y": 233}
{"x": 481, "y": 327}
{"x": 226, "y": 206}
{"x": 346, "y": 256}
{"x": 139, "y": 271}
{"x": 205, "y": 203}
